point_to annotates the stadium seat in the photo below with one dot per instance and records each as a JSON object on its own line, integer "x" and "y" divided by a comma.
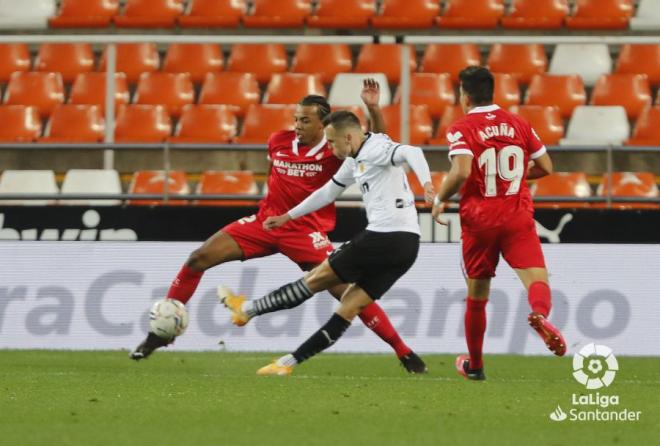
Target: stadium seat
{"x": 194, "y": 59}
{"x": 647, "y": 128}
{"x": 32, "y": 14}
{"x": 69, "y": 59}
{"x": 279, "y": 14}
{"x": 597, "y": 125}
{"x": 173, "y": 90}
{"x": 213, "y": 13}
{"x": 236, "y": 182}
{"x": 236, "y": 90}
{"x": 263, "y": 120}
{"x": 260, "y": 59}
{"x": 449, "y": 116}
{"x": 589, "y": 61}
{"x": 327, "y": 60}
{"x": 565, "y": 92}
{"x": 75, "y": 124}
{"x": 406, "y": 14}
{"x": 507, "y": 91}
{"x": 91, "y": 181}
{"x": 536, "y": 14}
{"x": 89, "y": 88}
{"x": 342, "y": 14}
{"x": 420, "y": 123}
{"x": 383, "y": 58}
{"x": 471, "y": 14}
{"x": 601, "y": 14}
{"x": 434, "y": 90}
{"x": 418, "y": 190}
{"x": 647, "y": 17}
{"x": 142, "y": 124}
{"x": 346, "y": 88}
{"x": 629, "y": 184}
{"x": 133, "y": 59}
{"x": 205, "y": 124}
{"x": 561, "y": 184}
{"x": 642, "y": 59}
{"x": 289, "y": 88}
{"x": 85, "y": 14}
{"x": 42, "y": 90}
{"x": 153, "y": 182}
{"x": 22, "y": 182}
{"x": 631, "y": 91}
{"x": 544, "y": 119}
{"x": 451, "y": 58}
{"x": 149, "y": 14}
{"x": 19, "y": 123}
{"x": 13, "y": 57}
{"x": 522, "y": 61}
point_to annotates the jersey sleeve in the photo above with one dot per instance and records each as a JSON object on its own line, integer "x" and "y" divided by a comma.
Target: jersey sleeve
{"x": 344, "y": 176}
{"x": 457, "y": 142}
{"x": 535, "y": 145}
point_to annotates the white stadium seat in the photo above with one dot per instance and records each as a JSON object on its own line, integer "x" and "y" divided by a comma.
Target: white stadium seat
{"x": 588, "y": 61}
{"x": 19, "y": 182}
{"x": 26, "y": 14}
{"x": 597, "y": 125}
{"x": 647, "y": 17}
{"x": 91, "y": 181}
{"x": 345, "y": 90}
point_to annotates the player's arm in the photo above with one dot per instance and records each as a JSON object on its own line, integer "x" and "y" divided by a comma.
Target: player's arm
{"x": 540, "y": 167}
{"x": 461, "y": 167}
{"x": 371, "y": 96}
{"x": 414, "y": 156}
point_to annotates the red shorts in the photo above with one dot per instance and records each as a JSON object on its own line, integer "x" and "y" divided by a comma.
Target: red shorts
{"x": 518, "y": 243}
{"x": 305, "y": 247}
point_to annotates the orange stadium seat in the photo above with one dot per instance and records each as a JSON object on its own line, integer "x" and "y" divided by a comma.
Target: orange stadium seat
{"x": 545, "y": 119}
{"x": 289, "y": 88}
{"x": 324, "y": 59}
{"x": 434, "y": 90}
{"x": 85, "y": 14}
{"x": 449, "y": 58}
{"x": 383, "y": 58}
{"x": 642, "y": 59}
{"x": 75, "y": 123}
{"x": 523, "y": 61}
{"x": 262, "y": 120}
{"x": 70, "y": 59}
{"x": 236, "y": 182}
{"x": 19, "y": 123}
{"x": 134, "y": 59}
{"x": 647, "y": 128}
{"x": 629, "y": 184}
{"x": 451, "y": 114}
{"x": 406, "y": 14}
{"x": 561, "y": 184}
{"x": 89, "y": 88}
{"x": 149, "y": 14}
{"x": 213, "y": 13}
{"x": 13, "y": 57}
{"x": 173, "y": 90}
{"x": 236, "y": 90}
{"x": 342, "y": 14}
{"x": 536, "y": 14}
{"x": 205, "y": 124}
{"x": 260, "y": 59}
{"x": 142, "y": 124}
{"x": 418, "y": 190}
{"x": 42, "y": 90}
{"x": 421, "y": 125}
{"x": 279, "y": 14}
{"x": 471, "y": 14}
{"x": 507, "y": 91}
{"x": 195, "y": 59}
{"x": 153, "y": 182}
{"x": 632, "y": 91}
{"x": 566, "y": 92}
{"x": 601, "y": 14}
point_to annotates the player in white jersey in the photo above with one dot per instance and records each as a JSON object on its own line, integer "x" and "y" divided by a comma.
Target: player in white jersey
{"x": 377, "y": 257}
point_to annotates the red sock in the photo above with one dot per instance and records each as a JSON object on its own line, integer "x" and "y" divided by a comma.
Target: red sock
{"x": 539, "y": 298}
{"x": 475, "y": 327}
{"x": 377, "y": 321}
{"x": 184, "y": 284}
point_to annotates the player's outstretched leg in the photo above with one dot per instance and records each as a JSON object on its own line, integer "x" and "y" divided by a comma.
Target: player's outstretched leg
{"x": 539, "y": 300}
{"x": 463, "y": 369}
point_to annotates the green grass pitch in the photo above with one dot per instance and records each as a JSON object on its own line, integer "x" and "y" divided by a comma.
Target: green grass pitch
{"x": 102, "y": 398}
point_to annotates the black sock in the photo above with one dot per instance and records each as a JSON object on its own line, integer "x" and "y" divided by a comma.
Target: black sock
{"x": 288, "y": 296}
{"x": 322, "y": 339}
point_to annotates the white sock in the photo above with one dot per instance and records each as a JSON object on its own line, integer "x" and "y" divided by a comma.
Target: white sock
{"x": 247, "y": 307}
{"x": 287, "y": 361}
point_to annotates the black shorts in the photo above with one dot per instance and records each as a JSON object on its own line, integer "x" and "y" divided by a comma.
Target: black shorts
{"x": 375, "y": 260}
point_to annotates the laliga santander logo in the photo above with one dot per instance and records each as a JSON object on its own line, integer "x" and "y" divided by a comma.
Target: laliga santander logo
{"x": 594, "y": 366}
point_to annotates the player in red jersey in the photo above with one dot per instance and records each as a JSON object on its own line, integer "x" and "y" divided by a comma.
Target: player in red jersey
{"x": 493, "y": 152}
{"x": 301, "y": 161}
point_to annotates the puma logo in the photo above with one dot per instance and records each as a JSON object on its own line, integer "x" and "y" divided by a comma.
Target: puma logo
{"x": 552, "y": 235}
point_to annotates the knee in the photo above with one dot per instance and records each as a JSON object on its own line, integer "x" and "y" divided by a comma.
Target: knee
{"x": 200, "y": 259}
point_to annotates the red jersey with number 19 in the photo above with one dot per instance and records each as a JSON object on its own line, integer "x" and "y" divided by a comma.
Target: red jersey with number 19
{"x": 297, "y": 171}
{"x": 501, "y": 144}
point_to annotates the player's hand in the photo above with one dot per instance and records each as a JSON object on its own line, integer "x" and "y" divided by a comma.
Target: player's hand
{"x": 276, "y": 222}
{"x": 429, "y": 192}
{"x": 370, "y": 92}
{"x": 438, "y": 210}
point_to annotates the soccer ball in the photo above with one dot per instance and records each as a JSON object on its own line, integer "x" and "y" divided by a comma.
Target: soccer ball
{"x": 168, "y": 318}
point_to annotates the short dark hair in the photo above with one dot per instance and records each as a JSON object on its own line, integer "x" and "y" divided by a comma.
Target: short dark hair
{"x": 342, "y": 119}
{"x": 478, "y": 83}
{"x": 321, "y": 103}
